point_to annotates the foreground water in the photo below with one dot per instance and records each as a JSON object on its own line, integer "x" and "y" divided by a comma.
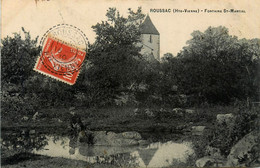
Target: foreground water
{"x": 152, "y": 155}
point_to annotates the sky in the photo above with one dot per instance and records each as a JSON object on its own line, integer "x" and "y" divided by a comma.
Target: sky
{"x": 37, "y": 16}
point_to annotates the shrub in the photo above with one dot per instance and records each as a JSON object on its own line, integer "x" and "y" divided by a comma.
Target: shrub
{"x": 14, "y": 106}
{"x": 226, "y": 135}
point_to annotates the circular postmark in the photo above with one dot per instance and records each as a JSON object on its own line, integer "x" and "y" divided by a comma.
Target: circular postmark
{"x": 64, "y": 49}
{"x": 63, "y": 53}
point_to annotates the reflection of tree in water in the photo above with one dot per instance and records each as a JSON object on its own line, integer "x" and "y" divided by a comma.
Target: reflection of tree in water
{"x": 118, "y": 160}
{"x": 23, "y": 141}
{"x": 101, "y": 154}
{"x": 59, "y": 138}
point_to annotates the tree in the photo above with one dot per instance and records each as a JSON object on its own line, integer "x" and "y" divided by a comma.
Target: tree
{"x": 114, "y": 58}
{"x": 24, "y": 90}
{"x": 217, "y": 67}
{"x": 18, "y": 57}
{"x": 248, "y": 60}
{"x": 167, "y": 56}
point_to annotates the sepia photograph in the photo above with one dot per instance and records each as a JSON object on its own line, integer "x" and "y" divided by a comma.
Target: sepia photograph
{"x": 131, "y": 83}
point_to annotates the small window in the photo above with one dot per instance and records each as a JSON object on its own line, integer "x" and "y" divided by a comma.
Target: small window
{"x": 150, "y": 39}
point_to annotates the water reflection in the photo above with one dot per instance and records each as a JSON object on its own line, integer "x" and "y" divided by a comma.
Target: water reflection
{"x": 22, "y": 141}
{"x": 164, "y": 154}
{"x": 153, "y": 155}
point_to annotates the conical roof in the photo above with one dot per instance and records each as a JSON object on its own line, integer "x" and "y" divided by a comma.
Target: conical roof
{"x": 147, "y": 27}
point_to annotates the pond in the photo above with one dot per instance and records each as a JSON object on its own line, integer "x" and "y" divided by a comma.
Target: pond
{"x": 156, "y": 154}
{"x": 152, "y": 155}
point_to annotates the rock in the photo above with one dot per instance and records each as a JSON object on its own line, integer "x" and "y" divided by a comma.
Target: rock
{"x": 100, "y": 138}
{"x": 162, "y": 110}
{"x": 132, "y": 135}
{"x": 174, "y": 88}
{"x": 25, "y": 118}
{"x": 197, "y": 130}
{"x": 177, "y": 111}
{"x": 23, "y": 132}
{"x": 112, "y": 139}
{"x": 100, "y": 133}
{"x": 35, "y": 116}
{"x": 136, "y": 111}
{"x": 205, "y": 162}
{"x": 112, "y": 135}
{"x": 208, "y": 161}
{"x": 225, "y": 118}
{"x": 149, "y": 113}
{"x": 72, "y": 111}
{"x": 189, "y": 111}
{"x": 245, "y": 151}
{"x": 32, "y": 132}
{"x": 143, "y": 142}
{"x": 123, "y": 142}
{"x": 183, "y": 98}
{"x": 72, "y": 108}
{"x": 155, "y": 98}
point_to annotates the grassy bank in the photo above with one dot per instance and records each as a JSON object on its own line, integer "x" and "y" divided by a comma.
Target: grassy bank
{"x": 39, "y": 161}
{"x": 118, "y": 119}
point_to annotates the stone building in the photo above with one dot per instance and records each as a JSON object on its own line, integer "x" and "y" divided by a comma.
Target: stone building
{"x": 150, "y": 39}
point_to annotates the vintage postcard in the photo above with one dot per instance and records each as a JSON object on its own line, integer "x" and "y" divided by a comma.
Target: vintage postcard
{"x": 133, "y": 83}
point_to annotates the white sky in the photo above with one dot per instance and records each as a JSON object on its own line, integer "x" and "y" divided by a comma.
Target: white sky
{"x": 174, "y": 28}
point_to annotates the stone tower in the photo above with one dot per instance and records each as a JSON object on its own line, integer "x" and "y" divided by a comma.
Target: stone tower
{"x": 150, "y": 39}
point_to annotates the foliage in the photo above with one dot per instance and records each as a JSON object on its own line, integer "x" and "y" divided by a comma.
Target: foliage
{"x": 14, "y": 106}
{"x": 18, "y": 57}
{"x": 166, "y": 57}
{"x": 225, "y": 135}
{"x": 114, "y": 57}
{"x": 23, "y": 90}
{"x": 216, "y": 67}
{"x": 23, "y": 141}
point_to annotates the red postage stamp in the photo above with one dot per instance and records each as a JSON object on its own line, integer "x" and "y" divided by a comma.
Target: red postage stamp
{"x": 60, "y": 60}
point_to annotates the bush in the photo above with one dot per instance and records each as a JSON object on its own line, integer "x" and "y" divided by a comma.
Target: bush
{"x": 225, "y": 135}
{"x": 14, "y": 106}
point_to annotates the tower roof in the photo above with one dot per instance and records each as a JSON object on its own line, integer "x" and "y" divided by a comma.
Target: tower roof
{"x": 147, "y": 27}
